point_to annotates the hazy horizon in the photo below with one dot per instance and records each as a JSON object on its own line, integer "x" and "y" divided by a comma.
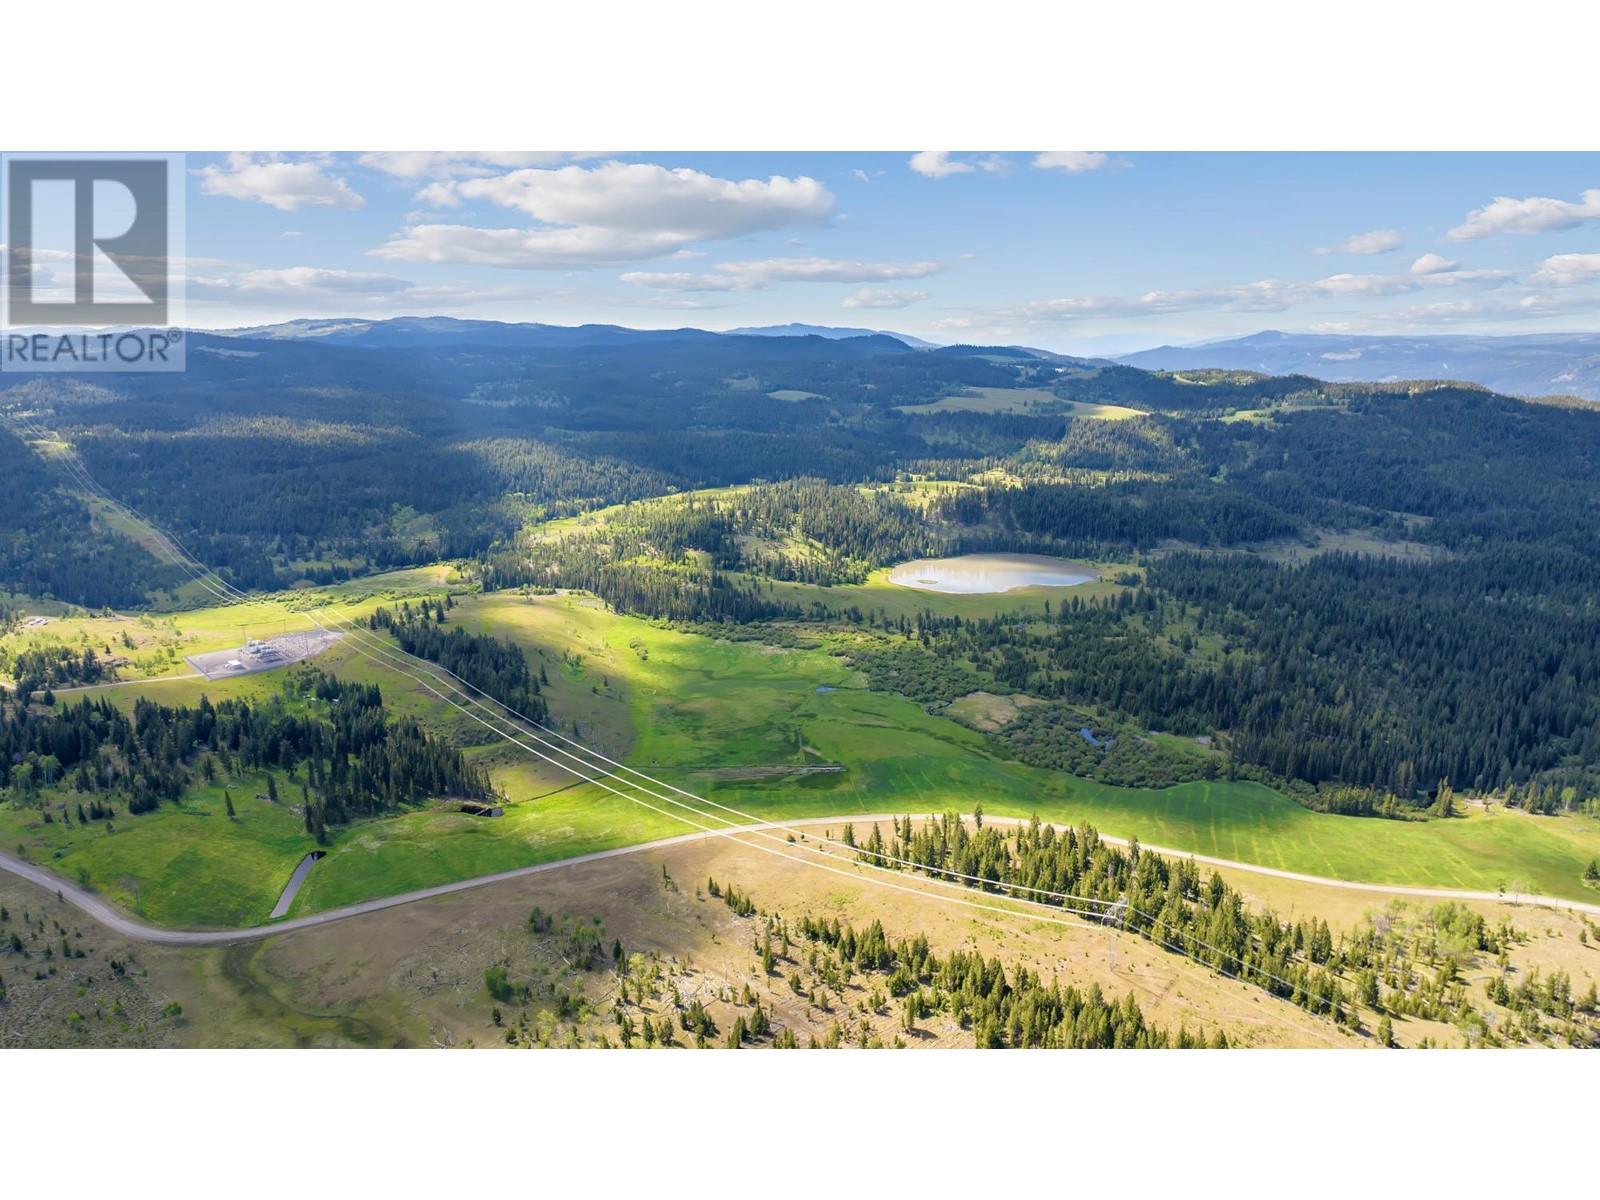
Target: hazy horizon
{"x": 1090, "y": 252}
{"x": 1111, "y": 345}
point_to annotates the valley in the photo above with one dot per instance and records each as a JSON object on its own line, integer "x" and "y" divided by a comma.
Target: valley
{"x": 733, "y": 722}
{"x": 1058, "y": 625}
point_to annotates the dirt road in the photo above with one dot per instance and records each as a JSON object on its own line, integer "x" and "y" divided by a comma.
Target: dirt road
{"x": 120, "y": 922}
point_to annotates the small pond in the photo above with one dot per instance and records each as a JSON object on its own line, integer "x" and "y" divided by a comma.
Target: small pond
{"x": 973, "y": 574}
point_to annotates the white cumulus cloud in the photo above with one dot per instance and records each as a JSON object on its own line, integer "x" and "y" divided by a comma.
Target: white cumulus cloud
{"x": 287, "y": 185}
{"x": 1373, "y": 241}
{"x": 1367, "y": 285}
{"x": 937, "y": 164}
{"x": 1432, "y": 264}
{"x": 612, "y": 213}
{"x": 882, "y": 298}
{"x": 1074, "y": 162}
{"x": 1567, "y": 270}
{"x": 1531, "y": 214}
{"x": 419, "y": 164}
{"x": 643, "y": 197}
{"x": 1442, "y": 274}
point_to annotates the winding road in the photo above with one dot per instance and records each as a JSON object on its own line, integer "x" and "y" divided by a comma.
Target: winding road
{"x": 119, "y": 922}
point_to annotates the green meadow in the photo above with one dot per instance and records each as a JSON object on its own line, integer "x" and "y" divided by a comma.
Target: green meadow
{"x": 736, "y": 722}
{"x": 185, "y": 864}
{"x": 700, "y": 708}
{"x": 879, "y": 594}
{"x": 1019, "y": 399}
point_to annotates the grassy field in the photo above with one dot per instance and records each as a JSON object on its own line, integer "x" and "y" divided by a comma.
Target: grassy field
{"x": 1102, "y": 412}
{"x": 988, "y": 400}
{"x": 414, "y": 975}
{"x": 879, "y": 593}
{"x": 424, "y": 964}
{"x": 907, "y": 761}
{"x": 698, "y": 705}
{"x": 154, "y": 645}
{"x": 1353, "y": 541}
{"x": 730, "y": 721}
{"x": 1019, "y": 400}
{"x": 183, "y": 864}
{"x": 420, "y": 849}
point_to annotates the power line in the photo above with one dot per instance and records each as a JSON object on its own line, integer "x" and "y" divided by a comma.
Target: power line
{"x": 387, "y": 655}
{"x": 219, "y": 587}
{"x": 1248, "y": 970}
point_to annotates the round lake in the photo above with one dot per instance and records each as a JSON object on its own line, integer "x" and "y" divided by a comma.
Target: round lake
{"x": 973, "y": 574}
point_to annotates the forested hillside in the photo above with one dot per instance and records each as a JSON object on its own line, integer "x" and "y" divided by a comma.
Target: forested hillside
{"x": 357, "y": 758}
{"x": 277, "y": 461}
{"x": 51, "y": 546}
{"x": 1371, "y": 590}
{"x": 494, "y": 667}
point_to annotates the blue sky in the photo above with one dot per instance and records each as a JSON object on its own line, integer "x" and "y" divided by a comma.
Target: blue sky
{"x": 1075, "y": 251}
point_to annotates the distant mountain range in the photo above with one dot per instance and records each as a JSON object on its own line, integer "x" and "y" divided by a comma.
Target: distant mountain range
{"x": 1526, "y": 365}
{"x": 412, "y": 331}
{"x": 395, "y": 332}
{"x": 1541, "y": 364}
{"x": 796, "y": 329}
{"x": 437, "y": 332}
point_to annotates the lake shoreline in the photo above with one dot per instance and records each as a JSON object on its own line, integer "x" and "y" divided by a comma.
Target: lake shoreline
{"x": 990, "y": 574}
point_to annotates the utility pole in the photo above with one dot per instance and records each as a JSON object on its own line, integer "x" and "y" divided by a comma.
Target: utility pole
{"x": 1114, "y": 917}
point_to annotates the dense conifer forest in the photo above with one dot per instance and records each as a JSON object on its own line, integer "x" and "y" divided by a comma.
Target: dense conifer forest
{"x": 44, "y": 668}
{"x": 50, "y": 545}
{"x": 335, "y": 743}
{"x": 1366, "y": 589}
{"x": 491, "y": 665}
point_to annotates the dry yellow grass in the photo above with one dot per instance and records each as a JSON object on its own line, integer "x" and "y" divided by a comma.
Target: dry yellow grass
{"x": 414, "y": 975}
{"x": 987, "y": 711}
